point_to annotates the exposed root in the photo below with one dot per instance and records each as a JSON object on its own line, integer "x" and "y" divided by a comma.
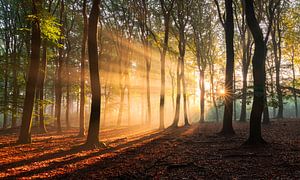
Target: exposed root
{"x": 95, "y": 145}
{"x": 255, "y": 142}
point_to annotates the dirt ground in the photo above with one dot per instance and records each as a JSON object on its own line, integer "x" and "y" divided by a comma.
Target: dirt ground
{"x": 194, "y": 152}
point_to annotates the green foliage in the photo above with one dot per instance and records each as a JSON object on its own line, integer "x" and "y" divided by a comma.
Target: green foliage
{"x": 50, "y": 28}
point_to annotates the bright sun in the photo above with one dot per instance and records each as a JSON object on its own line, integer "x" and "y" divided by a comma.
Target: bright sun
{"x": 222, "y": 91}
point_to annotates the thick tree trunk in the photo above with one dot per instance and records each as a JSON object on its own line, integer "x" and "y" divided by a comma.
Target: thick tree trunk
{"x": 93, "y": 132}
{"x": 228, "y": 101}
{"x": 25, "y": 131}
{"x": 82, "y": 73}
{"x": 258, "y": 63}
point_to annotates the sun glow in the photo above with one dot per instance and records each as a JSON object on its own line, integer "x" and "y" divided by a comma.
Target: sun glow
{"x": 222, "y": 92}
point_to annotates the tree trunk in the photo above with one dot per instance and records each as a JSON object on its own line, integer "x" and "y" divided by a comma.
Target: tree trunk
{"x": 213, "y": 91}
{"x": 82, "y": 73}
{"x": 277, "y": 74}
{"x": 148, "y": 68}
{"x": 25, "y": 131}
{"x": 185, "y": 101}
{"x": 173, "y": 89}
{"x": 258, "y": 63}
{"x": 42, "y": 75}
{"x": 68, "y": 99}
{"x": 15, "y": 90}
{"x": 5, "y": 95}
{"x": 93, "y": 132}
{"x": 228, "y": 101}
{"x": 163, "y": 71}
{"x": 279, "y": 91}
{"x": 105, "y": 112}
{"x": 266, "y": 116}
{"x": 58, "y": 88}
{"x": 294, "y": 82}
{"x": 244, "y": 99}
{"x": 234, "y": 99}
{"x": 121, "y": 108}
{"x": 246, "y": 57}
{"x": 129, "y": 103}
{"x": 202, "y": 96}
{"x": 177, "y": 108}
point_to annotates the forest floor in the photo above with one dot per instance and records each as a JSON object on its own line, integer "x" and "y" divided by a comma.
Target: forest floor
{"x": 194, "y": 152}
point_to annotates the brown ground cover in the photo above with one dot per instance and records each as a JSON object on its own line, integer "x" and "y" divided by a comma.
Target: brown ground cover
{"x": 194, "y": 152}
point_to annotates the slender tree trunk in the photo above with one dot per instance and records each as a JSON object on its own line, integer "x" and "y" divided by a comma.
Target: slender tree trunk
{"x": 294, "y": 82}
{"x": 42, "y": 75}
{"x": 5, "y": 95}
{"x": 121, "y": 108}
{"x": 234, "y": 99}
{"x": 25, "y": 131}
{"x": 246, "y": 57}
{"x": 129, "y": 103}
{"x": 58, "y": 88}
{"x": 280, "y": 96}
{"x": 173, "y": 89}
{"x": 258, "y": 63}
{"x": 185, "y": 101}
{"x": 93, "y": 132}
{"x": 229, "y": 35}
{"x": 202, "y": 96}
{"x": 213, "y": 91}
{"x": 82, "y": 73}
{"x": 5, "y": 102}
{"x": 148, "y": 68}
{"x": 266, "y": 116}
{"x": 15, "y": 90}
{"x": 178, "y": 96}
{"x": 244, "y": 99}
{"x": 277, "y": 75}
{"x": 105, "y": 112}
{"x": 68, "y": 99}
{"x": 163, "y": 72}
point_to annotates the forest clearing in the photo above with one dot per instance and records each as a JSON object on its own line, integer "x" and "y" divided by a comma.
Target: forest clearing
{"x": 149, "y": 89}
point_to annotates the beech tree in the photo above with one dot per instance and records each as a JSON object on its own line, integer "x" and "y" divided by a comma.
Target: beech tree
{"x": 25, "y": 131}
{"x": 93, "y": 131}
{"x": 228, "y": 25}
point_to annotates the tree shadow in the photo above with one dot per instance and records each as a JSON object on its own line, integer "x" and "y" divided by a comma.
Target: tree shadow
{"x": 130, "y": 153}
{"x": 53, "y": 165}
